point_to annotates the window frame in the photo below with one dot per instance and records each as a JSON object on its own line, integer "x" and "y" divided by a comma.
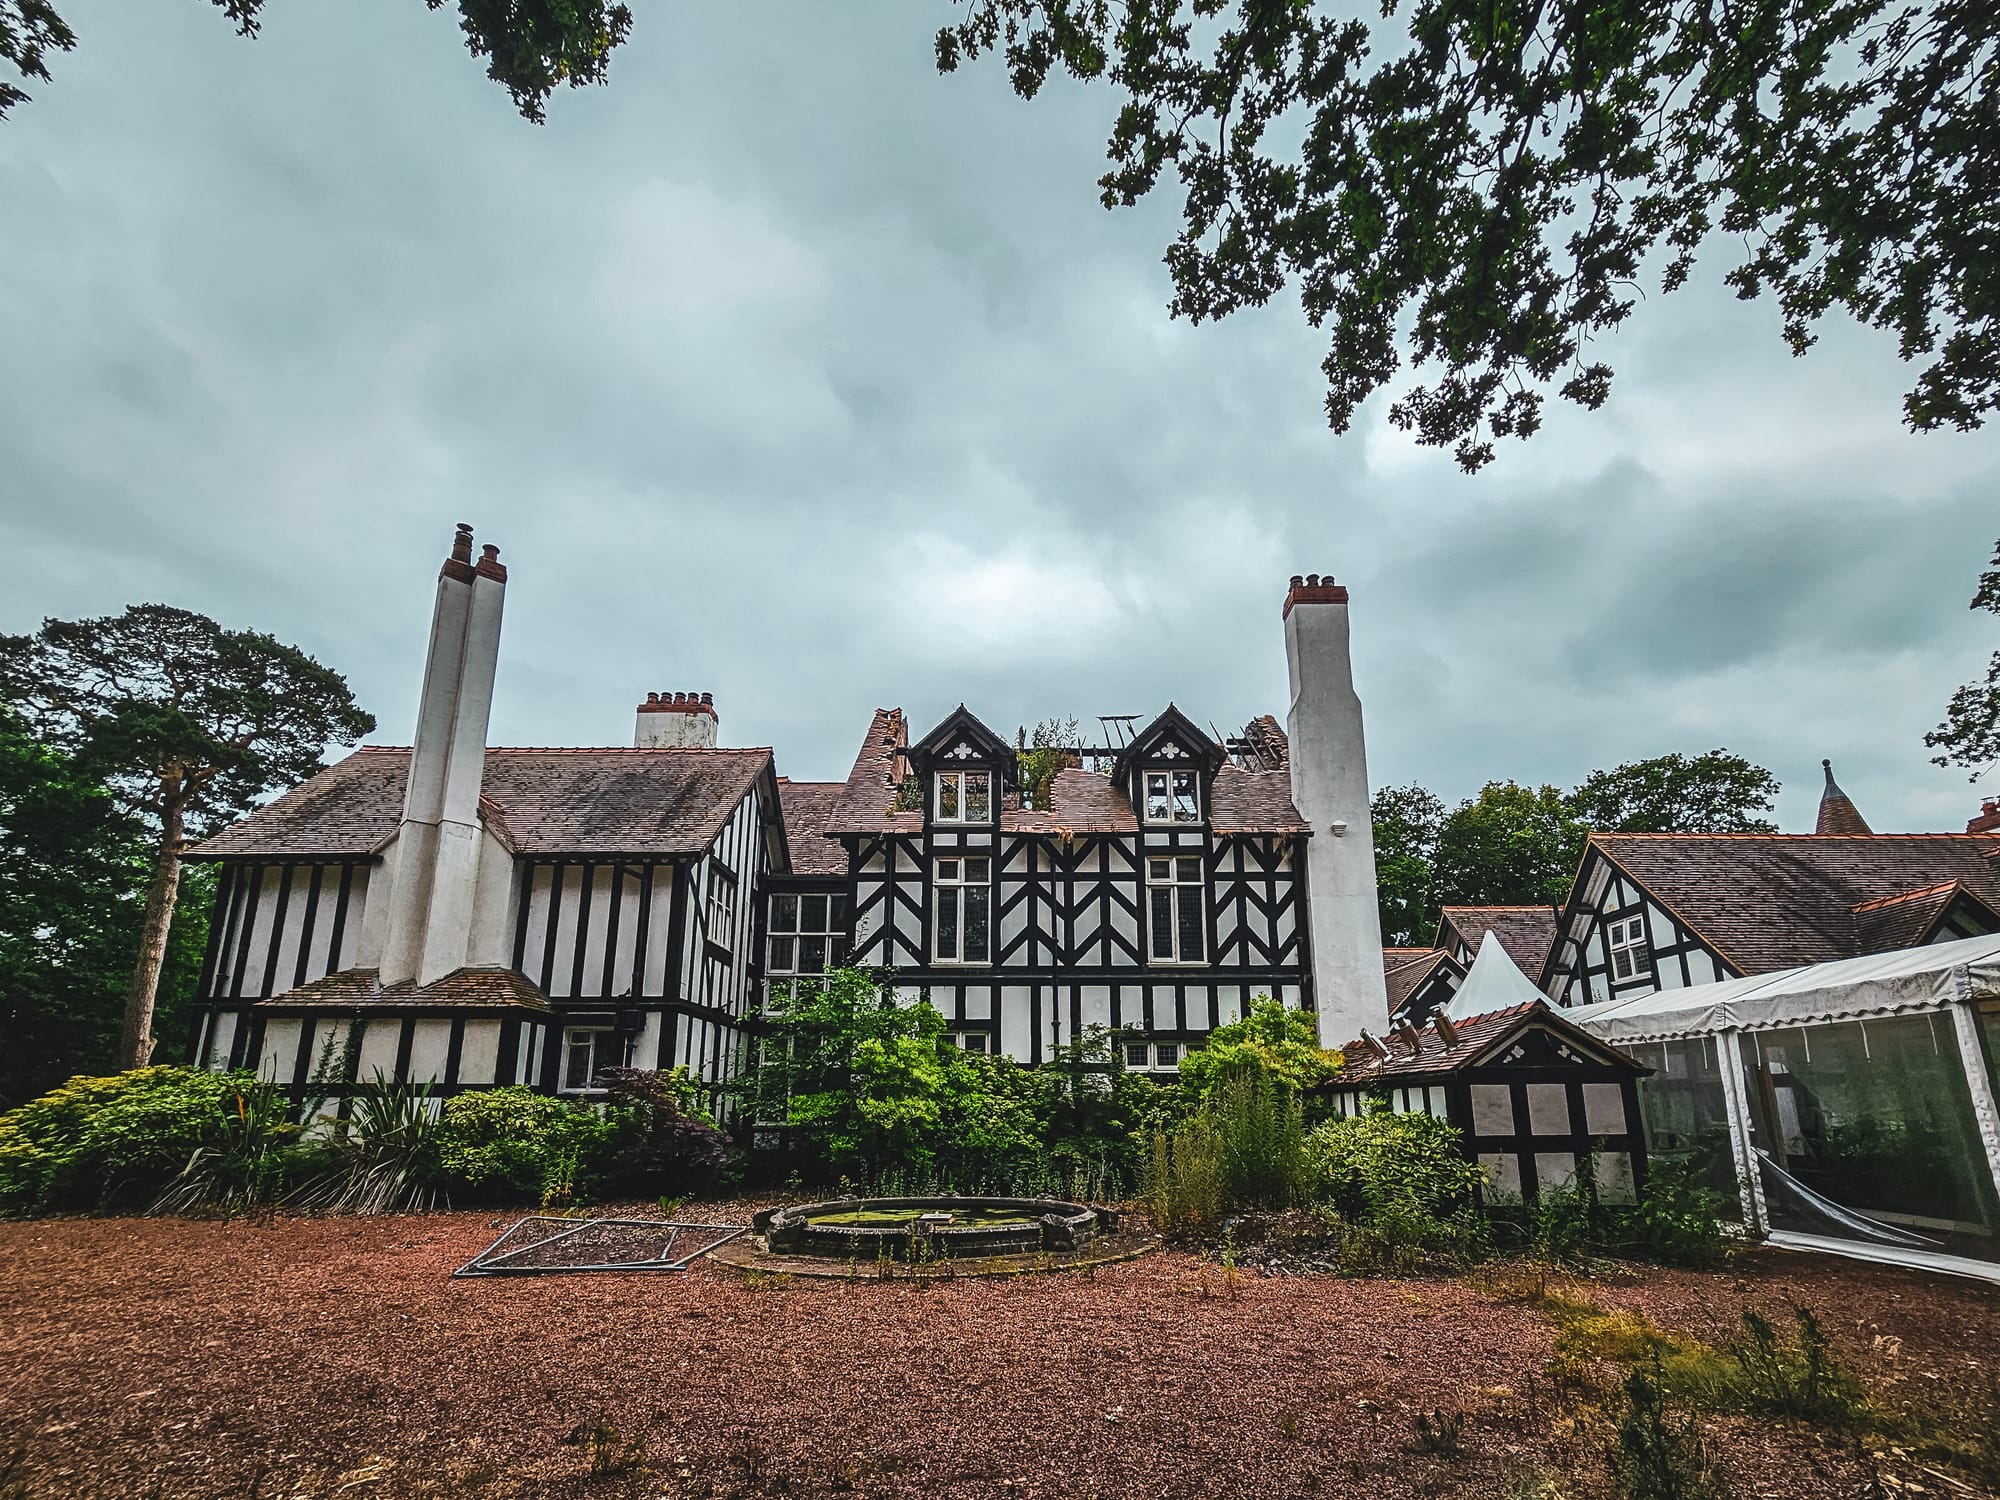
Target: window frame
{"x": 959, "y": 777}
{"x": 1626, "y": 937}
{"x": 1168, "y": 775}
{"x": 720, "y": 897}
{"x": 1175, "y": 882}
{"x": 832, "y": 933}
{"x": 954, "y": 885}
{"x": 598, "y": 1062}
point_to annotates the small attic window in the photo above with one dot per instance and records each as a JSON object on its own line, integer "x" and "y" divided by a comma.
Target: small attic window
{"x": 1172, "y": 796}
{"x": 965, "y": 797}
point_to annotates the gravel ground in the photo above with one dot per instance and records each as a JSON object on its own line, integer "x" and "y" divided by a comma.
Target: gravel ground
{"x": 326, "y": 1358}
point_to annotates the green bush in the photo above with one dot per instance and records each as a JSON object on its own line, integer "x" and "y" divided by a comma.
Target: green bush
{"x": 513, "y": 1144}
{"x": 1678, "y": 1220}
{"x": 1272, "y": 1042}
{"x": 120, "y": 1140}
{"x": 1366, "y": 1166}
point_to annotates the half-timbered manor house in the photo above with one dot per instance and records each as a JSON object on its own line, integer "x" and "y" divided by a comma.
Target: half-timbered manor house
{"x": 477, "y": 915}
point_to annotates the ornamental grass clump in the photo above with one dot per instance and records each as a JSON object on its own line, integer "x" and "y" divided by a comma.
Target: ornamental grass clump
{"x": 384, "y": 1158}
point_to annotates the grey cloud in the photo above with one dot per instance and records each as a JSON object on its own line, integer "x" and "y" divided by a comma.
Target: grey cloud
{"x": 785, "y": 369}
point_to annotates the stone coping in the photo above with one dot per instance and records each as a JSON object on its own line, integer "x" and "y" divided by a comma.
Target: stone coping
{"x": 749, "y": 1256}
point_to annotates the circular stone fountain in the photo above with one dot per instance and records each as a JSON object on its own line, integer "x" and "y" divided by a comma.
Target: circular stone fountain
{"x": 872, "y": 1229}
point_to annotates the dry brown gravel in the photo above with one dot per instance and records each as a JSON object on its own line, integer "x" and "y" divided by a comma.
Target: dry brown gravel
{"x": 336, "y": 1358}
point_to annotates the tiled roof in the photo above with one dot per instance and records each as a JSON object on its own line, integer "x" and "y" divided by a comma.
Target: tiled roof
{"x": 1475, "y": 1037}
{"x": 1905, "y": 920}
{"x": 863, "y": 804}
{"x": 1769, "y": 901}
{"x": 465, "y": 989}
{"x": 806, "y": 806}
{"x": 1406, "y": 970}
{"x": 660, "y": 802}
{"x": 1084, "y": 802}
{"x": 1254, "y": 802}
{"x": 1526, "y": 932}
{"x": 1837, "y": 812}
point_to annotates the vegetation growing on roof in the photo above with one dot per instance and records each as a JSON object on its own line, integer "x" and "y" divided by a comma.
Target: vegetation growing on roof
{"x": 1041, "y": 755}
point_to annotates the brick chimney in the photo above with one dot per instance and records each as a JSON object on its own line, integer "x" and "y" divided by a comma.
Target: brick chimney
{"x": 1988, "y": 820}
{"x": 676, "y": 721}
{"x": 1329, "y": 774}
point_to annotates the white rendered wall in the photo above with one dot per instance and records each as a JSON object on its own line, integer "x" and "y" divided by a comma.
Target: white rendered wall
{"x": 454, "y": 884}
{"x": 413, "y": 859}
{"x": 492, "y": 940}
{"x": 665, "y": 729}
{"x": 1329, "y": 769}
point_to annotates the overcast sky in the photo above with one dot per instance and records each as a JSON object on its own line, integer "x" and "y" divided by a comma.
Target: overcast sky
{"x": 784, "y": 369}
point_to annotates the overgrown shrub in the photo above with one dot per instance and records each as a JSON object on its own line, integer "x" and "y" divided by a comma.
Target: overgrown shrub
{"x": 120, "y": 1140}
{"x": 1245, "y": 1148}
{"x": 1678, "y": 1219}
{"x": 513, "y": 1144}
{"x": 1261, "y": 1141}
{"x": 664, "y": 1146}
{"x": 1183, "y": 1180}
{"x": 1271, "y": 1042}
{"x": 1659, "y": 1454}
{"x": 1367, "y": 1165}
{"x": 1401, "y": 1239}
{"x": 871, "y": 1092}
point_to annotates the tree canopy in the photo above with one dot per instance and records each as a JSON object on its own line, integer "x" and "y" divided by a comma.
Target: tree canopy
{"x": 187, "y": 724}
{"x": 1493, "y": 182}
{"x": 1715, "y": 792}
{"x": 73, "y": 868}
{"x": 1970, "y": 733}
{"x": 530, "y": 46}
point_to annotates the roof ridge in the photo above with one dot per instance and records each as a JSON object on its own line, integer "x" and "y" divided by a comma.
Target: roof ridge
{"x": 1817, "y": 838}
{"x": 593, "y": 749}
{"x": 1913, "y": 894}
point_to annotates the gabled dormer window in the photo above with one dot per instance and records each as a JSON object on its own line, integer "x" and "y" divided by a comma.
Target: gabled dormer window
{"x": 964, "y": 797}
{"x": 1172, "y": 796}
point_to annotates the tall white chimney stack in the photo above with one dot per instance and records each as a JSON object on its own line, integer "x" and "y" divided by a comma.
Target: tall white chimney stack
{"x": 684, "y": 721}
{"x": 1329, "y": 766}
{"x": 437, "y": 843}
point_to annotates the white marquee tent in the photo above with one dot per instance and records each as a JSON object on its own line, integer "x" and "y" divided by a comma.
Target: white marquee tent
{"x": 1494, "y": 982}
{"x": 1856, "y": 1098}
